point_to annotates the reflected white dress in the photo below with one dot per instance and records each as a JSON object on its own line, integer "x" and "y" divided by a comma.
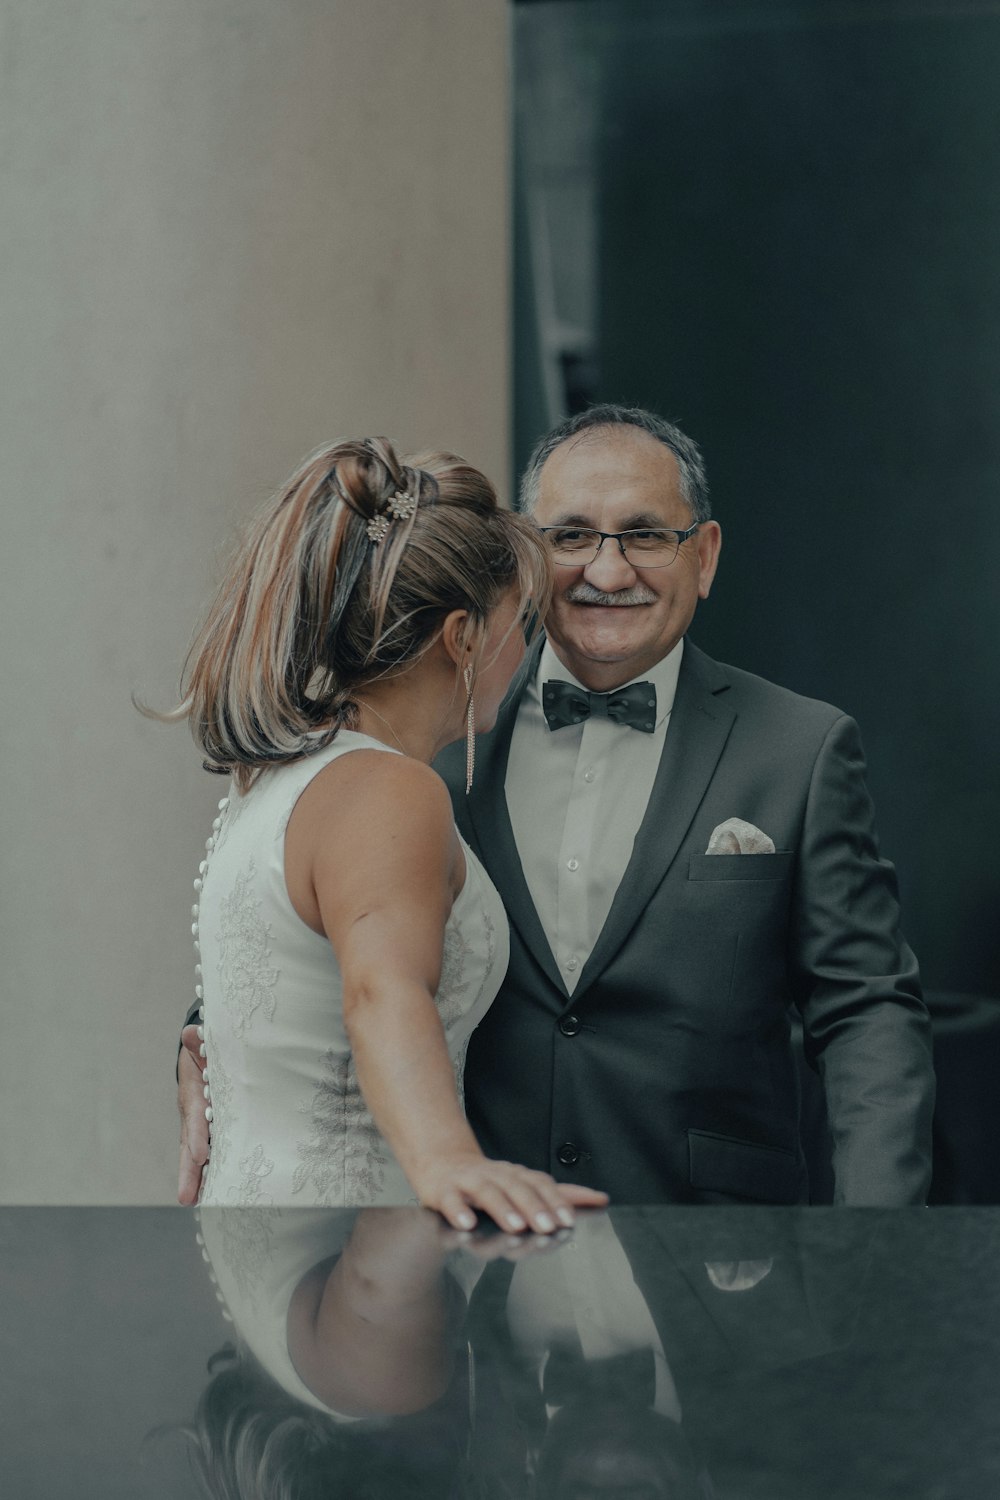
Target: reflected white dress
{"x": 256, "y": 1259}
{"x": 288, "y": 1122}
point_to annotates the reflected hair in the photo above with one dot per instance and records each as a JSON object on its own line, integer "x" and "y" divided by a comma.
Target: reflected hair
{"x": 312, "y": 610}
{"x": 690, "y": 464}
{"x": 250, "y": 1440}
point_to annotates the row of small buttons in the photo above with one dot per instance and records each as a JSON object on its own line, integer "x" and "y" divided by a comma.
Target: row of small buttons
{"x": 570, "y": 965}
{"x": 199, "y": 990}
{"x": 568, "y": 1154}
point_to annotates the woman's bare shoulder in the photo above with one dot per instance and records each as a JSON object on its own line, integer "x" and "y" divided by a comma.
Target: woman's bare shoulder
{"x": 368, "y": 824}
{"x": 346, "y": 787}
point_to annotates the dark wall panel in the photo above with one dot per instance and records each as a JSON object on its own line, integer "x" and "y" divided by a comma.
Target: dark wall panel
{"x": 800, "y": 261}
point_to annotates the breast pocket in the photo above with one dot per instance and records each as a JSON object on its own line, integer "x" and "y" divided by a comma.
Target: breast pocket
{"x": 742, "y": 867}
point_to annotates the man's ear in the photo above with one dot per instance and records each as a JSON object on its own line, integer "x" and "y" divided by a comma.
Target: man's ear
{"x": 709, "y": 540}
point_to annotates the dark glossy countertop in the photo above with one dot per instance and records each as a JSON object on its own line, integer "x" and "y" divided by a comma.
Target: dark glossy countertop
{"x": 653, "y": 1354}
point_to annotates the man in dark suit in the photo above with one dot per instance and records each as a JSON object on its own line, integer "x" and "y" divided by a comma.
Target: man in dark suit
{"x": 641, "y": 1040}
{"x": 657, "y": 1346}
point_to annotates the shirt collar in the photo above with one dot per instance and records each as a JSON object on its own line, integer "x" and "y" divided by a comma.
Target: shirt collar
{"x": 663, "y": 675}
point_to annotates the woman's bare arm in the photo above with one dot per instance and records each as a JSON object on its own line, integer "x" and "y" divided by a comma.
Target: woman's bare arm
{"x": 375, "y": 1331}
{"x": 375, "y": 834}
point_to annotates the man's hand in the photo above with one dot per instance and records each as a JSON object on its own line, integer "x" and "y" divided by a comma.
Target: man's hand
{"x": 194, "y": 1126}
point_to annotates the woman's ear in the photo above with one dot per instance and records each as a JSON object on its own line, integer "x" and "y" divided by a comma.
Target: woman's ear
{"x": 459, "y": 636}
{"x": 455, "y": 636}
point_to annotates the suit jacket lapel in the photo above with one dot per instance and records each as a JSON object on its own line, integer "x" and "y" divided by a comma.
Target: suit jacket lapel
{"x": 700, "y": 724}
{"x": 489, "y": 816}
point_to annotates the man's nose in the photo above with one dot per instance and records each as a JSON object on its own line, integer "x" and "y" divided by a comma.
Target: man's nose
{"x": 611, "y": 569}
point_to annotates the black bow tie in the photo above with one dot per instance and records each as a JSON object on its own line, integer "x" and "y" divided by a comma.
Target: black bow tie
{"x": 628, "y": 1378}
{"x": 634, "y": 705}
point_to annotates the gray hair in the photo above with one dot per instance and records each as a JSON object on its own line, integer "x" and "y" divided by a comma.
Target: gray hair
{"x": 690, "y": 464}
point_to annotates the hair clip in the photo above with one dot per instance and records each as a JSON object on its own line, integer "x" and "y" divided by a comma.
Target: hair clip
{"x": 402, "y": 506}
{"x": 378, "y": 528}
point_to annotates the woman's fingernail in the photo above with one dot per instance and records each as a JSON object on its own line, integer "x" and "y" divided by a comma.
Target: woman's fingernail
{"x": 466, "y": 1221}
{"x": 514, "y": 1221}
{"x": 566, "y": 1217}
{"x": 545, "y": 1222}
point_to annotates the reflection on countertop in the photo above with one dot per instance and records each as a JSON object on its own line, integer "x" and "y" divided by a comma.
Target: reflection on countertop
{"x": 649, "y": 1354}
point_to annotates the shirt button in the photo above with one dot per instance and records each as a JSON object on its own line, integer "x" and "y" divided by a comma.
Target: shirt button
{"x": 569, "y": 1025}
{"x": 572, "y": 964}
{"x": 568, "y": 1155}
{"x": 588, "y": 775}
{"x": 572, "y": 864}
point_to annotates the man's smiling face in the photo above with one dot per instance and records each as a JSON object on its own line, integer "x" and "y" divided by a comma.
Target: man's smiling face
{"x": 611, "y": 621}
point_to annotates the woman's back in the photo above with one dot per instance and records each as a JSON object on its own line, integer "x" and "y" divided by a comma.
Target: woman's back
{"x": 370, "y": 597}
{"x": 289, "y": 1123}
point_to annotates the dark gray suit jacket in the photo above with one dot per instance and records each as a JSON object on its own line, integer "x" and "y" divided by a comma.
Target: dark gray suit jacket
{"x": 749, "y": 1366}
{"x": 668, "y": 1076}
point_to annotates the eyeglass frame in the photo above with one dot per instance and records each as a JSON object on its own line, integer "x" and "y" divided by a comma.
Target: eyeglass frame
{"x": 606, "y": 536}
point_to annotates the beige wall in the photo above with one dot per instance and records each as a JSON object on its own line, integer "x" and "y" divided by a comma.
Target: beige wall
{"x": 230, "y": 230}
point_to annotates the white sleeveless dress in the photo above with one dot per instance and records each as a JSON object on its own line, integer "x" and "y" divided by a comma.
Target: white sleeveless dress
{"x": 288, "y": 1122}
{"x": 256, "y": 1258}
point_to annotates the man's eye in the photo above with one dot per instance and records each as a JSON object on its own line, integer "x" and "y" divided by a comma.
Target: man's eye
{"x": 650, "y": 540}
{"x": 573, "y": 537}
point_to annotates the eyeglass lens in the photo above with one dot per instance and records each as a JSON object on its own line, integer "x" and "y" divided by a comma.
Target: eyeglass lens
{"x": 579, "y": 546}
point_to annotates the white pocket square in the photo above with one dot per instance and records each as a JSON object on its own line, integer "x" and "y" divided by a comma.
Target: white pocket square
{"x": 734, "y": 836}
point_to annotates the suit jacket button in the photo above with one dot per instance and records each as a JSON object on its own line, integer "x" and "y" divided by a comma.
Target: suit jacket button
{"x": 568, "y": 1155}
{"x": 569, "y": 1025}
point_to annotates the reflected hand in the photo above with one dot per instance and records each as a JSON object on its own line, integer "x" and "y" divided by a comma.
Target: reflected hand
{"x": 194, "y": 1126}
{"x": 515, "y": 1198}
{"x": 487, "y": 1245}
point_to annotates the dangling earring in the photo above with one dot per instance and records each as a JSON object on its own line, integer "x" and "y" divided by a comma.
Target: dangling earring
{"x": 470, "y": 733}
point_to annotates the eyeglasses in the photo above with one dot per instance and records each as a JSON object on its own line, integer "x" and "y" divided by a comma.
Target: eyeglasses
{"x": 650, "y": 547}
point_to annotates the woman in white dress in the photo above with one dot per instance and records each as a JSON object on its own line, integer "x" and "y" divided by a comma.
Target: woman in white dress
{"x": 349, "y": 942}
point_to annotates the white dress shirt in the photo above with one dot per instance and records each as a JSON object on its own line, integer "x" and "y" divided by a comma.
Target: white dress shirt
{"x": 587, "y": 1292}
{"x": 577, "y": 797}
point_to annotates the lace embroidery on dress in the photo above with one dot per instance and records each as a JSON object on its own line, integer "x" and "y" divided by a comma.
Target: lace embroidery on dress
{"x": 453, "y": 982}
{"x": 452, "y": 1001}
{"x": 247, "y": 978}
{"x": 491, "y": 954}
{"x": 246, "y": 1246}
{"x": 254, "y": 1167}
{"x": 451, "y": 997}
{"x": 458, "y": 1063}
{"x": 344, "y": 1158}
{"x": 222, "y": 1114}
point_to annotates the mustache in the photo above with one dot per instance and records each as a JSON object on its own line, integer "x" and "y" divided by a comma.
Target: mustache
{"x": 585, "y": 593}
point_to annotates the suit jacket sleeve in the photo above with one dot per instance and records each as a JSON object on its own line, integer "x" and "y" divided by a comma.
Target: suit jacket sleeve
{"x": 857, "y": 986}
